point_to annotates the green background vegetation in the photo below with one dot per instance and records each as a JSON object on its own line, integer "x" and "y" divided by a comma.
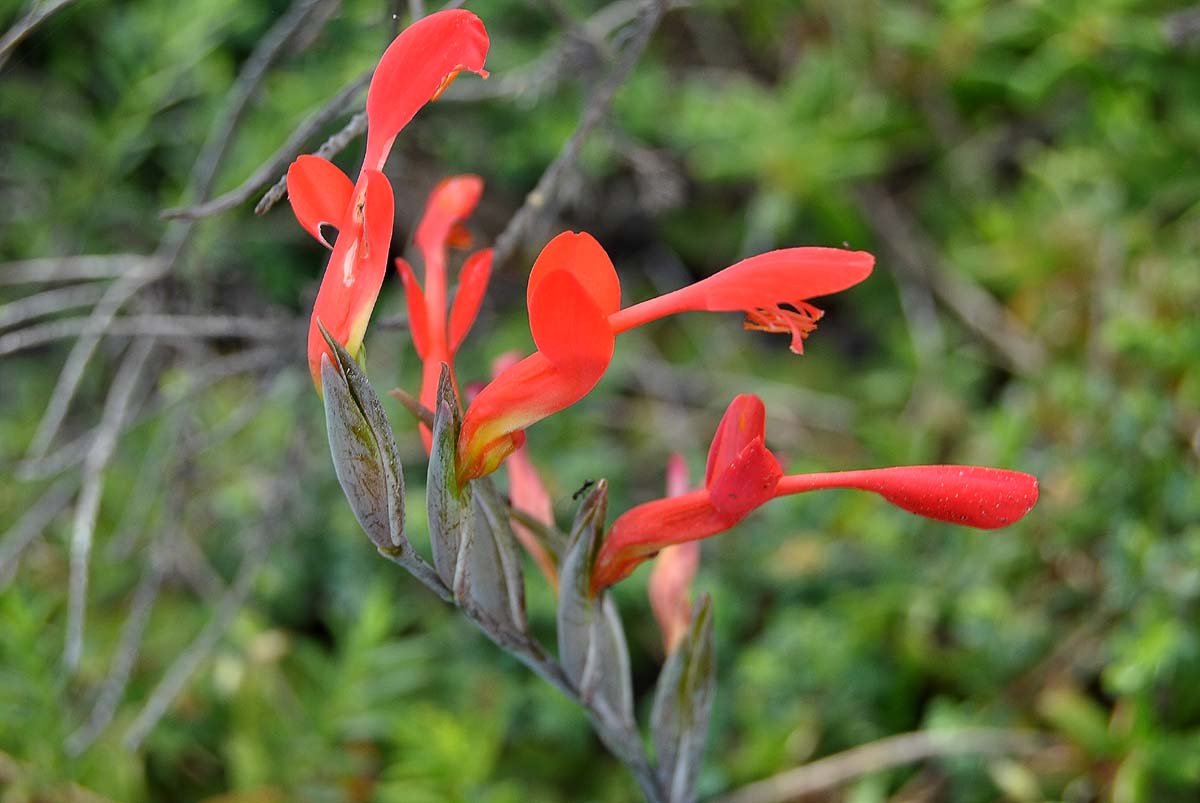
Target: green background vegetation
{"x": 1037, "y": 158}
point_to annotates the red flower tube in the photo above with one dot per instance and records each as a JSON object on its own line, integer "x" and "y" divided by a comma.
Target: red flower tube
{"x": 414, "y": 69}
{"x": 742, "y": 474}
{"x": 574, "y": 300}
{"x": 674, "y": 569}
{"x": 437, "y": 337}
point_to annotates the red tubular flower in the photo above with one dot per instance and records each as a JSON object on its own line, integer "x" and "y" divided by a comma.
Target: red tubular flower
{"x": 574, "y": 300}
{"x": 743, "y": 474}
{"x": 359, "y": 260}
{"x": 415, "y": 68}
{"x": 674, "y": 569}
{"x": 437, "y": 337}
{"x": 528, "y": 493}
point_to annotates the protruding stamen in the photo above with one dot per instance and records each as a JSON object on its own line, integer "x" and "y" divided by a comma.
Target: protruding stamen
{"x": 800, "y": 320}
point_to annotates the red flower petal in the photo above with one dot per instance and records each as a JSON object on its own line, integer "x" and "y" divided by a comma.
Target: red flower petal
{"x": 414, "y": 298}
{"x": 452, "y": 201}
{"x": 575, "y": 346}
{"x": 319, "y": 194}
{"x": 746, "y": 483}
{"x": 987, "y": 498}
{"x": 415, "y": 68}
{"x": 642, "y": 531}
{"x": 580, "y": 255}
{"x": 568, "y": 327}
{"x": 472, "y": 285}
{"x": 355, "y": 271}
{"x": 770, "y": 288}
{"x": 744, "y": 420}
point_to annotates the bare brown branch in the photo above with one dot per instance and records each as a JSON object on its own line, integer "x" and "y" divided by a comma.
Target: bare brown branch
{"x": 894, "y": 751}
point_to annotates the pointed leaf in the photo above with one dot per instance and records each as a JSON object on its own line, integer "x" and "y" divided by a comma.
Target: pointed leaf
{"x": 355, "y": 457}
{"x": 682, "y": 706}
{"x": 449, "y": 505}
{"x": 495, "y": 583}
{"x": 371, "y": 409}
{"x": 591, "y": 641}
{"x": 319, "y": 194}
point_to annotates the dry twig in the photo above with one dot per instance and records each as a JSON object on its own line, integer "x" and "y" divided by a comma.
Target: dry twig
{"x": 894, "y": 751}
{"x": 543, "y": 193}
{"x": 26, "y": 24}
{"x": 116, "y": 409}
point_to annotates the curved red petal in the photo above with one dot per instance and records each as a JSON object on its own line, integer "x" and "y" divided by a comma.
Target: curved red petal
{"x": 452, "y": 201}
{"x": 744, "y": 420}
{"x": 580, "y": 255}
{"x": 414, "y": 299}
{"x": 472, "y": 285}
{"x": 783, "y": 276}
{"x": 415, "y": 68}
{"x": 976, "y": 496}
{"x": 319, "y": 194}
{"x": 522, "y": 395}
{"x": 770, "y": 288}
{"x": 568, "y": 327}
{"x": 642, "y": 531}
{"x": 746, "y": 483}
{"x": 355, "y": 272}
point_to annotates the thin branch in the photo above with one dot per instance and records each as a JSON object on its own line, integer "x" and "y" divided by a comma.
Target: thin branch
{"x": 116, "y": 408}
{"x": 181, "y": 671}
{"x": 76, "y": 268}
{"x": 175, "y": 240}
{"x": 128, "y": 647}
{"x": 894, "y": 751}
{"x": 278, "y": 160}
{"x": 32, "y": 524}
{"x": 974, "y": 306}
{"x": 330, "y": 148}
{"x": 26, "y": 25}
{"x": 543, "y": 193}
{"x": 49, "y": 302}
{"x": 160, "y": 325}
{"x": 72, "y": 453}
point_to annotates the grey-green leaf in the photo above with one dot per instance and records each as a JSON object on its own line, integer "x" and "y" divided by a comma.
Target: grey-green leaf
{"x": 356, "y": 459}
{"x": 682, "y": 706}
{"x": 591, "y": 640}
{"x": 494, "y": 564}
{"x": 449, "y": 506}
{"x": 388, "y": 454}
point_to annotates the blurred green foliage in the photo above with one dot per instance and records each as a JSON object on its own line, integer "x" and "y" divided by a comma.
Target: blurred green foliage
{"x": 1043, "y": 154}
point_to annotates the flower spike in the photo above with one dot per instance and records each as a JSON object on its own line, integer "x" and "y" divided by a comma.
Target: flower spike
{"x": 741, "y": 479}
{"x": 414, "y": 69}
{"x": 770, "y": 288}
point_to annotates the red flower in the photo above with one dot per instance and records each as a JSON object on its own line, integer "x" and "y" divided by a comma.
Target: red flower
{"x": 436, "y": 337}
{"x": 673, "y": 572}
{"x": 574, "y": 300}
{"x": 415, "y": 69}
{"x": 742, "y": 474}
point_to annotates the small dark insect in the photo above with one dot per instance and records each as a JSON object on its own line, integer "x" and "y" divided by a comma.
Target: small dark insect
{"x": 583, "y": 489}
